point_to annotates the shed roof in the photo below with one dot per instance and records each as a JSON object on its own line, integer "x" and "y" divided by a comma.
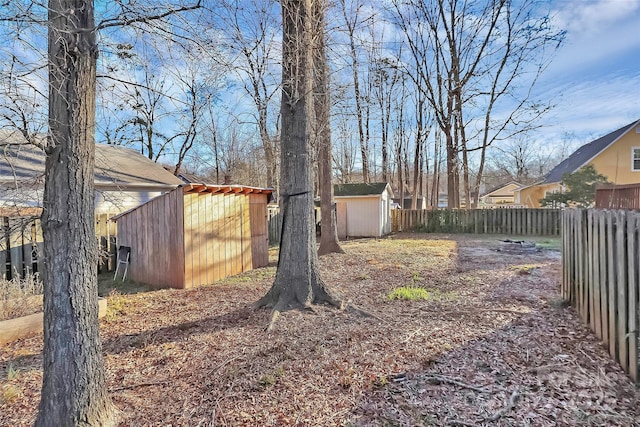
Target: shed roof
{"x": 360, "y": 189}
{"x": 207, "y": 188}
{"x": 115, "y": 165}
{"x": 586, "y": 153}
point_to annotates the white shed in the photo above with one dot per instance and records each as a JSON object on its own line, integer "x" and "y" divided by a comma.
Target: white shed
{"x": 363, "y": 210}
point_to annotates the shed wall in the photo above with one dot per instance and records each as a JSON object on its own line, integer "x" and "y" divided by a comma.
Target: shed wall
{"x": 225, "y": 234}
{"x": 214, "y": 247}
{"x": 154, "y": 233}
{"x": 363, "y": 216}
{"x": 259, "y": 230}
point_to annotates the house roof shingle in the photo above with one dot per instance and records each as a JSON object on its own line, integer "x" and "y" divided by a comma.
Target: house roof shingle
{"x": 115, "y": 165}
{"x": 586, "y": 153}
{"x": 359, "y": 189}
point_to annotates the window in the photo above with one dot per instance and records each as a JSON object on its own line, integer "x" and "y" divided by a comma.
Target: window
{"x": 635, "y": 159}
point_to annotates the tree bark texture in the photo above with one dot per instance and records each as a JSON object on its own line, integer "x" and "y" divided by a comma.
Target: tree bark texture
{"x": 73, "y": 388}
{"x": 298, "y": 282}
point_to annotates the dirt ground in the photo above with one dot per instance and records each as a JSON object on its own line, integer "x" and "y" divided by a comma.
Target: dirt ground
{"x": 492, "y": 344}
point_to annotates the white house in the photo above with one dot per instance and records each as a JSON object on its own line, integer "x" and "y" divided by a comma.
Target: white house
{"x": 363, "y": 210}
{"x": 124, "y": 178}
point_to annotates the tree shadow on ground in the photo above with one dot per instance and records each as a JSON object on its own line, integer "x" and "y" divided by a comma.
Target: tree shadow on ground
{"x": 239, "y": 318}
{"x": 542, "y": 368}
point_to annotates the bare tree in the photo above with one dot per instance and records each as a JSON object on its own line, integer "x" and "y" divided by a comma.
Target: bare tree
{"x": 298, "y": 282}
{"x": 73, "y": 386}
{"x": 251, "y": 30}
{"x": 345, "y": 151}
{"x": 477, "y": 58}
{"x": 386, "y": 76}
{"x": 322, "y": 132}
{"x": 352, "y": 18}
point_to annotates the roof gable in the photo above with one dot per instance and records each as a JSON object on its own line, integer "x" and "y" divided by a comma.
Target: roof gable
{"x": 359, "y": 189}
{"x": 586, "y": 153}
{"x": 508, "y": 187}
{"x": 114, "y": 165}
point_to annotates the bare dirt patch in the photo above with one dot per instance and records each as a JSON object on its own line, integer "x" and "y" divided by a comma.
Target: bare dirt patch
{"x": 494, "y": 345}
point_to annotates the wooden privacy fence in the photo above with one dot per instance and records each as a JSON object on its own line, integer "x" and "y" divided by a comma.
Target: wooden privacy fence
{"x": 21, "y": 245}
{"x": 106, "y": 235}
{"x": 534, "y": 222}
{"x": 618, "y": 196}
{"x": 601, "y": 264}
{"x": 275, "y": 225}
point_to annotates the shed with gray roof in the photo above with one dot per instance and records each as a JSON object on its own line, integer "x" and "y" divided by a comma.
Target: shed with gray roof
{"x": 363, "y": 210}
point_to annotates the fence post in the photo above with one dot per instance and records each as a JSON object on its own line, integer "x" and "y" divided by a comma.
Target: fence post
{"x": 633, "y": 266}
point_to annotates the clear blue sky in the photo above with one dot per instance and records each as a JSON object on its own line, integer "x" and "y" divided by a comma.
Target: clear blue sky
{"x": 595, "y": 77}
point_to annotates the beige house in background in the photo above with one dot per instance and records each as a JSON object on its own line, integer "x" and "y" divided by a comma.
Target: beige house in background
{"x": 124, "y": 178}
{"x": 501, "y": 196}
{"x": 615, "y": 155}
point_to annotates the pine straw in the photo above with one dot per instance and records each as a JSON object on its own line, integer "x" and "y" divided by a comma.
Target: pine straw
{"x": 499, "y": 350}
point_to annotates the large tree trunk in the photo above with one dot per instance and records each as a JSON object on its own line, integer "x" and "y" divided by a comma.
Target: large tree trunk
{"x": 298, "y": 282}
{"x": 73, "y": 386}
{"x": 329, "y": 231}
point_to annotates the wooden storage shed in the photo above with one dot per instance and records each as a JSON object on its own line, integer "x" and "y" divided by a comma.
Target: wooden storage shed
{"x": 363, "y": 210}
{"x": 196, "y": 234}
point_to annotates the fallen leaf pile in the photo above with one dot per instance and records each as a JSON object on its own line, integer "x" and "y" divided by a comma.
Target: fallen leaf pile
{"x": 491, "y": 344}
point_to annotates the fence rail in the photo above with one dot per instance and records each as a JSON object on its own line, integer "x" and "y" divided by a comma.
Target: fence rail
{"x": 534, "y": 222}
{"x": 21, "y": 245}
{"x": 601, "y": 269}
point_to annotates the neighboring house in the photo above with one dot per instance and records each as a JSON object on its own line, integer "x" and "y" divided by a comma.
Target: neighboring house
{"x": 615, "y": 155}
{"x": 500, "y": 196}
{"x": 123, "y": 177}
{"x": 363, "y": 210}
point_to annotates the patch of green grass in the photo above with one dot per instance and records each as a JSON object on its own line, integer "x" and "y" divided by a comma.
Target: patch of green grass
{"x": 553, "y": 243}
{"x": 415, "y": 293}
{"x": 272, "y": 378}
{"x": 523, "y": 269}
{"x": 106, "y": 285}
{"x": 251, "y": 276}
{"x": 12, "y": 373}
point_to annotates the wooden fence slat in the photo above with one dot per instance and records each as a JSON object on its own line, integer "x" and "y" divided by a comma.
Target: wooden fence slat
{"x": 590, "y": 282}
{"x": 621, "y": 270}
{"x": 632, "y": 298}
{"x": 611, "y": 283}
{"x": 604, "y": 306}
